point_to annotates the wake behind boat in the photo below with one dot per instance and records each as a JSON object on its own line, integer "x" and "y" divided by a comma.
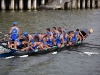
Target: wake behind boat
{"x": 5, "y": 51}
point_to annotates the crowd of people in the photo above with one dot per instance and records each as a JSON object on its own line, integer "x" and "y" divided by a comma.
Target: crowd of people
{"x": 52, "y": 37}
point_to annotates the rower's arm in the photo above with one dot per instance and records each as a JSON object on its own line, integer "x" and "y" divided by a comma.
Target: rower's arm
{"x": 52, "y": 35}
{"x": 70, "y": 37}
{"x": 67, "y": 36}
{"x": 29, "y": 38}
{"x": 78, "y": 36}
{"x": 62, "y": 39}
{"x": 18, "y": 32}
{"x": 53, "y": 41}
{"x": 81, "y": 34}
{"x": 31, "y": 47}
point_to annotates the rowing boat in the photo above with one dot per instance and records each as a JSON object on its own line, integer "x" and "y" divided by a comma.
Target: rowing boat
{"x": 11, "y": 52}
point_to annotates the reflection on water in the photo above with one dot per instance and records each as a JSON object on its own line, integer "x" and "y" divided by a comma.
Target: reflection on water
{"x": 64, "y": 62}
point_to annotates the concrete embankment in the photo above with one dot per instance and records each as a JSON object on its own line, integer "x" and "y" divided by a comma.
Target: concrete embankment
{"x": 48, "y": 4}
{"x": 72, "y": 4}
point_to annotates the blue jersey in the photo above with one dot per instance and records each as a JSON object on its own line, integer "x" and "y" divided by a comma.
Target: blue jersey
{"x": 44, "y": 42}
{"x": 19, "y": 43}
{"x": 58, "y": 39}
{"x": 14, "y": 34}
{"x": 54, "y": 33}
{"x": 49, "y": 41}
{"x": 32, "y": 41}
{"x": 74, "y": 39}
{"x": 65, "y": 39}
{"x": 34, "y": 47}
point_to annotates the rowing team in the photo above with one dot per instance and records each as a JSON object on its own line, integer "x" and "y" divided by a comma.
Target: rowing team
{"x": 56, "y": 37}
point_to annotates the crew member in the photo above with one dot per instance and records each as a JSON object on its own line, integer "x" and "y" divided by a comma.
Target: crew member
{"x": 14, "y": 34}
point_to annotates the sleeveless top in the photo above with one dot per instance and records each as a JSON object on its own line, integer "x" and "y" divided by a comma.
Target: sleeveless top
{"x": 74, "y": 38}
{"x": 44, "y": 42}
{"x": 49, "y": 41}
{"x": 14, "y": 34}
{"x": 58, "y": 37}
{"x": 65, "y": 39}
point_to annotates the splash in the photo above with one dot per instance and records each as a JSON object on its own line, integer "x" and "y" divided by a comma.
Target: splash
{"x": 89, "y": 53}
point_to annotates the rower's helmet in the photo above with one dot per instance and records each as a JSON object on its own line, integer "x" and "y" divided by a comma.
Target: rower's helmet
{"x": 14, "y": 23}
{"x": 25, "y": 33}
{"x": 36, "y": 35}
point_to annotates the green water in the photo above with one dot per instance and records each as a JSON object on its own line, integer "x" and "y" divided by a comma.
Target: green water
{"x": 63, "y": 63}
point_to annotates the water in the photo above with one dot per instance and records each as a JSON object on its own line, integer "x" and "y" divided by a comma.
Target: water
{"x": 76, "y": 62}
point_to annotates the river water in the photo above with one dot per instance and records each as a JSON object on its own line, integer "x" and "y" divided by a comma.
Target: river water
{"x": 83, "y": 60}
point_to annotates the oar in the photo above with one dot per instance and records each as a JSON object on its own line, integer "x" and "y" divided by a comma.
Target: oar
{"x": 23, "y": 56}
{"x": 54, "y": 52}
{"x": 9, "y": 57}
{"x": 58, "y": 49}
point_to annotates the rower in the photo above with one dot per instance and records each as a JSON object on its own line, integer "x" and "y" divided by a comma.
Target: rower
{"x": 61, "y": 30}
{"x": 27, "y": 39}
{"x": 55, "y": 31}
{"x": 38, "y": 37}
{"x": 14, "y": 34}
{"x": 38, "y": 45}
{"x": 73, "y": 38}
{"x": 49, "y": 32}
{"x": 65, "y": 37}
{"x": 80, "y": 34}
{"x": 59, "y": 41}
{"x": 49, "y": 40}
{"x": 44, "y": 42}
{"x": 79, "y": 38}
{"x": 33, "y": 46}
